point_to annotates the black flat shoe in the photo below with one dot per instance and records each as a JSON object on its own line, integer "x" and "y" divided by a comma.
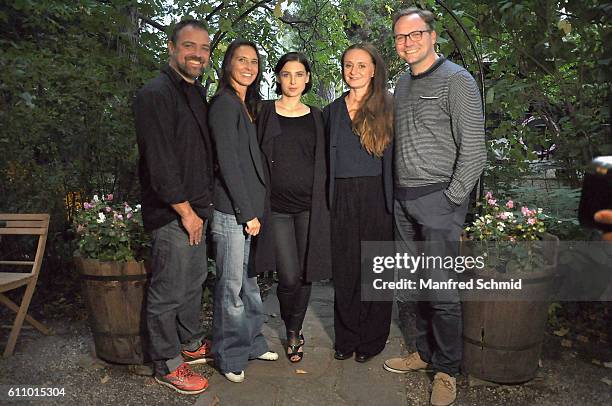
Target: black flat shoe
{"x": 342, "y": 355}
{"x": 363, "y": 357}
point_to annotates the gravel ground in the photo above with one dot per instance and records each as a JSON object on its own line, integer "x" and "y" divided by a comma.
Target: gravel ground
{"x": 65, "y": 360}
{"x": 567, "y": 376}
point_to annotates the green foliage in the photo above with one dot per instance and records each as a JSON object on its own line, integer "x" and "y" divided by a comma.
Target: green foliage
{"x": 561, "y": 207}
{"x": 68, "y": 75}
{"x": 549, "y": 60}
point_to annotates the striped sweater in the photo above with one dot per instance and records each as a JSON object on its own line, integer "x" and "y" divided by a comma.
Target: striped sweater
{"x": 439, "y": 130}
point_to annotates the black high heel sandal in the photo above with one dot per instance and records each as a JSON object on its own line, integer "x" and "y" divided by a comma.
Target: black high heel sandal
{"x": 293, "y": 350}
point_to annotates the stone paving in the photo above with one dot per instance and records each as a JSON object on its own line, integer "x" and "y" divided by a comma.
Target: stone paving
{"x": 318, "y": 379}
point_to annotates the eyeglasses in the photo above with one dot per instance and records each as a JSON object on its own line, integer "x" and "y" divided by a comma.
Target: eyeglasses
{"x": 414, "y": 36}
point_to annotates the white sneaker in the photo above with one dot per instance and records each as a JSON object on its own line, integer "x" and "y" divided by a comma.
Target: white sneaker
{"x": 233, "y": 377}
{"x": 268, "y": 356}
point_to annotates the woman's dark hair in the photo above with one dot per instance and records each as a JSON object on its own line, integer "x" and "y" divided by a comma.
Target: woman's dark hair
{"x": 292, "y": 57}
{"x": 253, "y": 97}
{"x": 373, "y": 121}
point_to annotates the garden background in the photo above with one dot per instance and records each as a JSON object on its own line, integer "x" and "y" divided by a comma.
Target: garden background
{"x": 69, "y": 71}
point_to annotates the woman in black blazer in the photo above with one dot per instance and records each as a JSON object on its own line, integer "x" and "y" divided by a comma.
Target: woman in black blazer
{"x": 240, "y": 193}
{"x": 292, "y": 139}
{"x": 360, "y": 130}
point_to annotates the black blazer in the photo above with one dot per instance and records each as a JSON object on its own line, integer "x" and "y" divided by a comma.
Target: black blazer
{"x": 331, "y": 114}
{"x": 318, "y": 251}
{"x": 240, "y": 187}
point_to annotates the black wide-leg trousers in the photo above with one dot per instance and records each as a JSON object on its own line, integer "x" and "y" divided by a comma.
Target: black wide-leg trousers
{"x": 358, "y": 215}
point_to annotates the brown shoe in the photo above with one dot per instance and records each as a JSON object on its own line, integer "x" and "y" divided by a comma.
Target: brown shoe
{"x": 411, "y": 363}
{"x": 444, "y": 390}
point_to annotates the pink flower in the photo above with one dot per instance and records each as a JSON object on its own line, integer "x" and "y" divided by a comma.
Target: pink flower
{"x": 120, "y": 217}
{"x": 525, "y": 211}
{"x": 531, "y": 221}
{"x": 510, "y": 204}
{"x": 109, "y": 196}
{"x": 492, "y": 202}
{"x": 87, "y": 206}
{"x": 107, "y": 209}
{"x": 513, "y": 239}
{"x": 503, "y": 215}
{"x": 80, "y": 228}
{"x": 489, "y": 195}
{"x": 129, "y": 215}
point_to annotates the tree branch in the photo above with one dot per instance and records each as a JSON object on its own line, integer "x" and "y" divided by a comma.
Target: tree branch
{"x": 248, "y": 11}
{"x": 526, "y": 54}
{"x": 152, "y": 23}
{"x": 215, "y": 11}
{"x": 285, "y": 20}
{"x": 221, "y": 34}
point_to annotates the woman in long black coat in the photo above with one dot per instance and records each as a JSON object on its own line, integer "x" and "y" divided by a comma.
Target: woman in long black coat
{"x": 360, "y": 129}
{"x": 292, "y": 139}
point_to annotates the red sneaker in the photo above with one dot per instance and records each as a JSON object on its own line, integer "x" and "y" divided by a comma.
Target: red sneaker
{"x": 199, "y": 356}
{"x": 184, "y": 380}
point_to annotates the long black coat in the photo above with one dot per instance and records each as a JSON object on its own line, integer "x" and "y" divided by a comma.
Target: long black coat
{"x": 318, "y": 251}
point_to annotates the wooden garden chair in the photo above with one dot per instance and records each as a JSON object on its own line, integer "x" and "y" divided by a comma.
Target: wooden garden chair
{"x": 22, "y": 224}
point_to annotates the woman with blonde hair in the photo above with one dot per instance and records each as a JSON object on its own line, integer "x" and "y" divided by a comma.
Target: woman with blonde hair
{"x": 360, "y": 131}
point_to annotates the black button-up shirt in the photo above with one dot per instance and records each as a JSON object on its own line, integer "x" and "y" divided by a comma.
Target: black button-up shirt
{"x": 176, "y": 156}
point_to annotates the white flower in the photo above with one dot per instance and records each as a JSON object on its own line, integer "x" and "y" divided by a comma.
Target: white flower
{"x": 137, "y": 207}
{"x": 96, "y": 198}
{"x": 101, "y": 218}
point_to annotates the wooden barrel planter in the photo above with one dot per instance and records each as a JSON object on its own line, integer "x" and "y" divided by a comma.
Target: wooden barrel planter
{"x": 502, "y": 339}
{"x": 115, "y": 294}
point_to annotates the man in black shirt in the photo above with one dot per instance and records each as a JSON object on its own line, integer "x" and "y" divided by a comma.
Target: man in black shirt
{"x": 176, "y": 176}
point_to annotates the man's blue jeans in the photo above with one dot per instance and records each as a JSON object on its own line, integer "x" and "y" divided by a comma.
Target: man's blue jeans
{"x": 238, "y": 310}
{"x": 174, "y": 298}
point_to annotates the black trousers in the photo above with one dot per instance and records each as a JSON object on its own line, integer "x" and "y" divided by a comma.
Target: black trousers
{"x": 293, "y": 292}
{"x": 439, "y": 317}
{"x": 358, "y": 215}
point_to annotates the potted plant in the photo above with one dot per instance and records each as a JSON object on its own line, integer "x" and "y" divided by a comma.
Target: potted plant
{"x": 503, "y": 330}
{"x": 111, "y": 247}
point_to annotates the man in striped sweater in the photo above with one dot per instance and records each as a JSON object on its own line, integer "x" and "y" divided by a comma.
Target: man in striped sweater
{"x": 439, "y": 156}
